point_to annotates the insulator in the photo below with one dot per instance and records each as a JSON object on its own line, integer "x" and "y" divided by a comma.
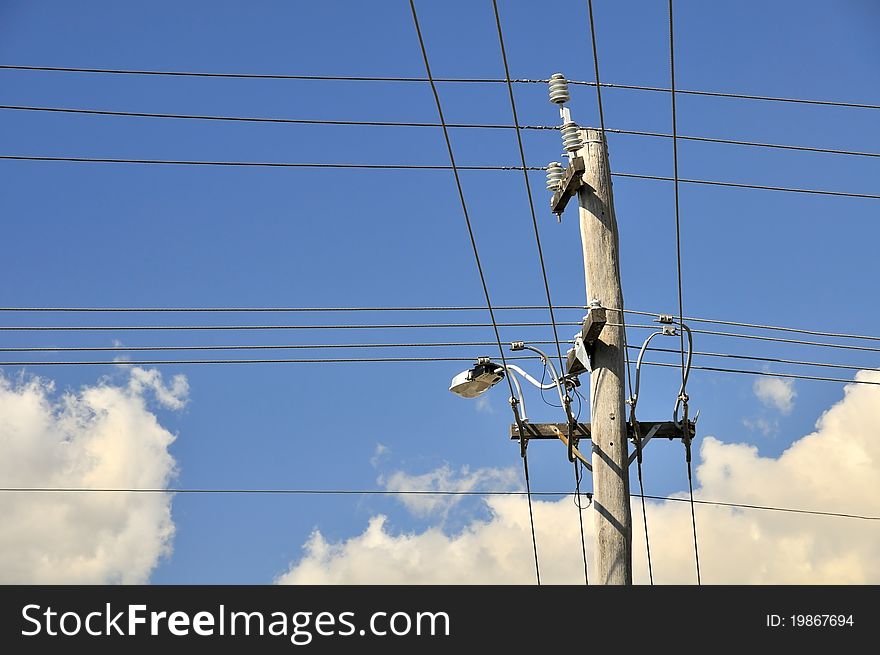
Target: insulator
{"x": 555, "y": 172}
{"x": 559, "y": 89}
{"x": 571, "y": 137}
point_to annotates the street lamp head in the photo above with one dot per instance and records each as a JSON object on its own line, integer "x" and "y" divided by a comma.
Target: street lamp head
{"x": 471, "y": 383}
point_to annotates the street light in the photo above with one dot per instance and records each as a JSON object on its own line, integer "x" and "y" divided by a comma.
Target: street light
{"x": 485, "y": 374}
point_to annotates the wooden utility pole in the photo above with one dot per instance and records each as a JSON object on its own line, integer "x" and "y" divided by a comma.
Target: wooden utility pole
{"x": 601, "y": 248}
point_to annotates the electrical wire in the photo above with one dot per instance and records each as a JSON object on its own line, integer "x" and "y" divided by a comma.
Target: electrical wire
{"x": 682, "y": 397}
{"x": 793, "y": 376}
{"x": 690, "y": 319}
{"x": 610, "y": 200}
{"x": 422, "y": 492}
{"x": 326, "y": 360}
{"x": 644, "y": 511}
{"x": 298, "y": 346}
{"x": 736, "y": 142}
{"x": 358, "y": 346}
{"x": 105, "y": 328}
{"x": 457, "y": 80}
{"x": 522, "y": 155}
{"x": 637, "y": 438}
{"x": 245, "y": 164}
{"x": 578, "y": 474}
{"x": 258, "y": 76}
{"x": 525, "y": 462}
{"x": 761, "y": 337}
{"x": 738, "y": 185}
{"x": 425, "y": 167}
{"x": 577, "y": 490}
{"x": 356, "y": 360}
{"x": 473, "y": 241}
{"x": 490, "y": 126}
{"x": 259, "y": 119}
{"x": 756, "y": 358}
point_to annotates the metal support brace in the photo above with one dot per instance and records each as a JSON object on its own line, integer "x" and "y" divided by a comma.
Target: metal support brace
{"x": 572, "y": 448}
{"x": 581, "y": 355}
{"x": 571, "y": 182}
{"x": 644, "y": 442}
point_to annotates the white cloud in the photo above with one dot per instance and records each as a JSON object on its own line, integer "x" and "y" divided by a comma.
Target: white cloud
{"x": 171, "y": 396}
{"x": 99, "y": 436}
{"x": 762, "y": 425}
{"x": 445, "y": 478}
{"x": 777, "y": 393}
{"x": 484, "y": 405}
{"x": 835, "y": 468}
{"x": 381, "y": 451}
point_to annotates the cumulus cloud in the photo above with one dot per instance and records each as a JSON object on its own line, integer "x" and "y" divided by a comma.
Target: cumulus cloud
{"x": 445, "y": 478}
{"x": 99, "y": 436}
{"x": 834, "y": 468}
{"x": 172, "y": 396}
{"x": 776, "y": 393}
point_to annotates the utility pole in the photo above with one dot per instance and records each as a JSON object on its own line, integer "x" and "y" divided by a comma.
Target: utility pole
{"x": 601, "y": 250}
{"x": 599, "y": 349}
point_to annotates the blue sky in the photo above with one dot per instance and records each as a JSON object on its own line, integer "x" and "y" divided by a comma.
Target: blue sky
{"x": 132, "y": 235}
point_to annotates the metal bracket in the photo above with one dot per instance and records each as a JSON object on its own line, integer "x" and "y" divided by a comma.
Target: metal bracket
{"x": 633, "y": 455}
{"x": 571, "y": 182}
{"x": 585, "y": 343}
{"x": 651, "y": 429}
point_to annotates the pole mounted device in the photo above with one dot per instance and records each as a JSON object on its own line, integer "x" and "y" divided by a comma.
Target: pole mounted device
{"x": 598, "y": 349}
{"x": 563, "y": 183}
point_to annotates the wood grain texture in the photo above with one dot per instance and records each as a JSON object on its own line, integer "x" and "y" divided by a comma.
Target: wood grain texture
{"x": 601, "y": 249}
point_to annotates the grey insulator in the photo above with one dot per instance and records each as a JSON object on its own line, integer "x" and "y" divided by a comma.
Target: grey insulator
{"x": 555, "y": 173}
{"x": 559, "y": 89}
{"x": 571, "y": 137}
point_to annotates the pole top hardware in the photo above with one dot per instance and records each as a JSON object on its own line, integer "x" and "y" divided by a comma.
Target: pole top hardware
{"x": 581, "y": 356}
{"x": 572, "y": 180}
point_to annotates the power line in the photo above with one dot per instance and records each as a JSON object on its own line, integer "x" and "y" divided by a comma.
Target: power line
{"x": 682, "y": 395}
{"x": 331, "y": 360}
{"x": 756, "y": 358}
{"x": 292, "y": 309}
{"x": 300, "y": 346}
{"x": 456, "y": 80}
{"x": 439, "y": 308}
{"x": 739, "y": 185}
{"x": 522, "y": 155}
{"x": 359, "y": 360}
{"x": 257, "y": 119}
{"x": 743, "y": 96}
{"x": 422, "y": 124}
{"x": 761, "y": 337}
{"x": 793, "y": 376}
{"x": 191, "y": 162}
{"x": 105, "y": 328}
{"x": 693, "y": 319}
{"x": 473, "y": 241}
{"x": 598, "y": 85}
{"x": 580, "y": 515}
{"x": 428, "y": 167}
{"x": 736, "y": 142}
{"x": 258, "y": 76}
{"x": 419, "y": 492}
{"x": 368, "y": 346}
{"x": 149, "y": 328}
